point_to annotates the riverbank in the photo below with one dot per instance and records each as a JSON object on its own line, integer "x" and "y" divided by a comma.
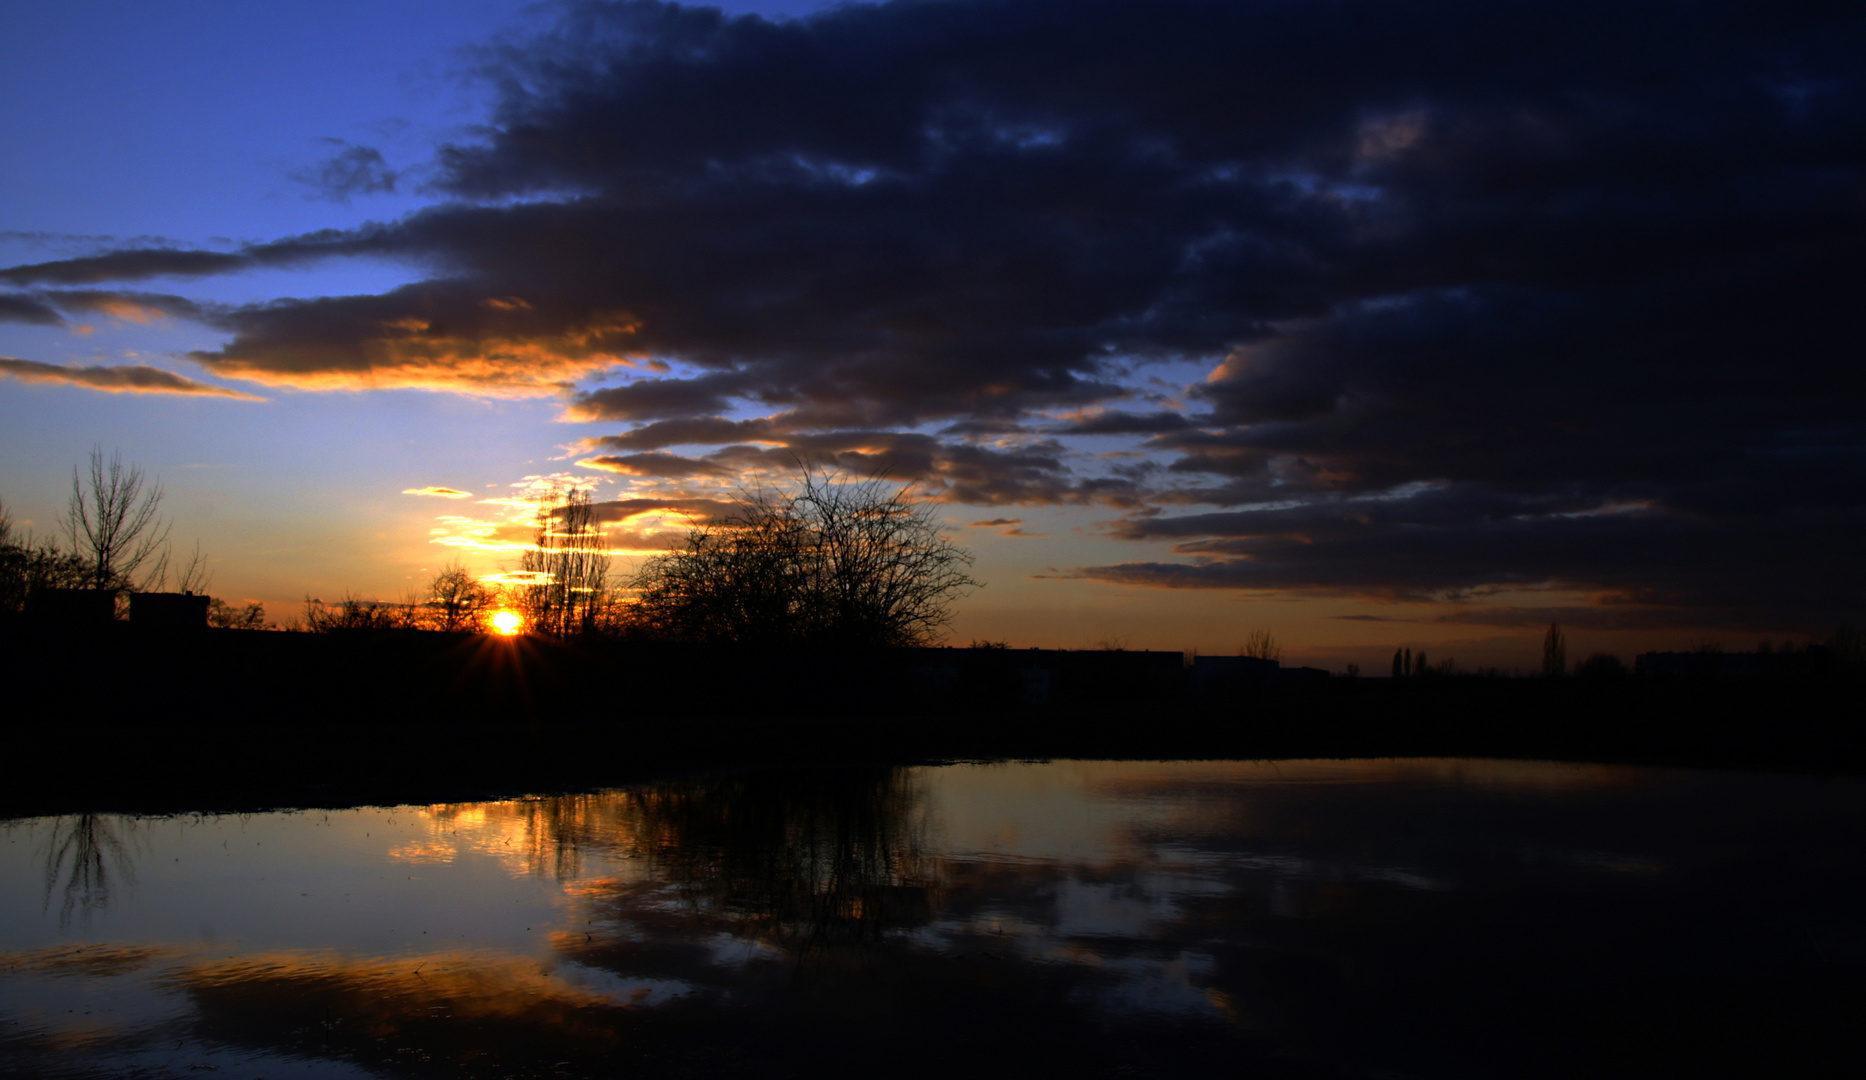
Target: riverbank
{"x": 243, "y": 759}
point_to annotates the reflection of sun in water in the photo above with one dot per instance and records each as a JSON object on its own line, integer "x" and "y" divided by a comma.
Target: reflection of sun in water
{"x": 506, "y": 622}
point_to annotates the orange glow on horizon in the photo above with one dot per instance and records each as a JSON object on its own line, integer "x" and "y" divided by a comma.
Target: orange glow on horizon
{"x": 507, "y": 622}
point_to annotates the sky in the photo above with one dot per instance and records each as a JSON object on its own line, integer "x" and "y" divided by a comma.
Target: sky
{"x": 1369, "y": 324}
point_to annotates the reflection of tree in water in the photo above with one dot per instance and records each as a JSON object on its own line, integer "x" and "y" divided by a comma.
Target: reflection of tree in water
{"x": 797, "y": 856}
{"x": 807, "y": 858}
{"x": 83, "y": 850}
{"x": 552, "y": 834}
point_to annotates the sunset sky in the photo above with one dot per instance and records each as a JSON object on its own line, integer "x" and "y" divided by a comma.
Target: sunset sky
{"x": 1366, "y": 323}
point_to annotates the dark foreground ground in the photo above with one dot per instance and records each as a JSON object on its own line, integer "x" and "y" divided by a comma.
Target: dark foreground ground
{"x": 233, "y": 721}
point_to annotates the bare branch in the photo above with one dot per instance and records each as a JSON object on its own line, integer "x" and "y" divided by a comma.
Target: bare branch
{"x": 114, "y": 526}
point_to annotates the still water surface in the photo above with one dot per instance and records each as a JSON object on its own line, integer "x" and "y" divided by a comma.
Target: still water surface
{"x": 1359, "y": 918}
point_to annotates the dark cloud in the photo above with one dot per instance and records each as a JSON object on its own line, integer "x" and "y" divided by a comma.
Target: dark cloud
{"x": 44, "y": 308}
{"x": 622, "y": 510}
{"x": 131, "y": 265}
{"x": 699, "y": 430}
{"x": 1035, "y": 472}
{"x": 127, "y": 379}
{"x": 649, "y": 399}
{"x": 137, "y": 307}
{"x": 994, "y": 522}
{"x": 666, "y": 466}
{"x": 142, "y": 263}
{"x": 350, "y": 171}
{"x": 1117, "y": 422}
{"x": 1522, "y": 266}
{"x": 1651, "y": 563}
{"x": 26, "y": 309}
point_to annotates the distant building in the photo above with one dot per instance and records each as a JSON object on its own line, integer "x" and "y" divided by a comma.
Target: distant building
{"x": 168, "y": 612}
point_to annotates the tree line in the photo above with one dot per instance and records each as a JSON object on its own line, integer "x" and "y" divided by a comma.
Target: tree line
{"x": 826, "y": 560}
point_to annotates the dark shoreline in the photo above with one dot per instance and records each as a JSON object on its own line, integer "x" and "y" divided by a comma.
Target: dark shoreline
{"x": 215, "y": 764}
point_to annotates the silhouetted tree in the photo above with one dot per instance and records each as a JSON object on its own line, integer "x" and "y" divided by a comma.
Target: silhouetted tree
{"x": 1554, "y": 652}
{"x": 112, "y": 523}
{"x": 1399, "y": 664}
{"x": 228, "y": 617}
{"x": 456, "y": 600}
{"x": 1600, "y": 666}
{"x": 1261, "y": 645}
{"x": 567, "y": 567}
{"x": 352, "y": 613}
{"x": 853, "y": 563}
{"x": 28, "y": 564}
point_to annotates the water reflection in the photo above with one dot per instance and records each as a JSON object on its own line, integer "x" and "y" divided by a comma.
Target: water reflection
{"x": 803, "y": 859}
{"x": 1325, "y": 918}
{"x": 87, "y": 857}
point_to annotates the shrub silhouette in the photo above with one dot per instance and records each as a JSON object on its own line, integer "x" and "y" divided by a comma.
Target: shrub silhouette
{"x": 832, "y": 561}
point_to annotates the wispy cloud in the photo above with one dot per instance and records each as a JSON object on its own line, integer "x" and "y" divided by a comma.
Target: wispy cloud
{"x": 125, "y": 379}
{"x": 350, "y": 171}
{"x": 439, "y": 492}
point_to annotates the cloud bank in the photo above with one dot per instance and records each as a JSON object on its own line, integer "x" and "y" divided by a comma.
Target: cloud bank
{"x": 1491, "y": 294}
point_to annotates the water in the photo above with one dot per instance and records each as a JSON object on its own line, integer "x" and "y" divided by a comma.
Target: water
{"x": 1362, "y": 918}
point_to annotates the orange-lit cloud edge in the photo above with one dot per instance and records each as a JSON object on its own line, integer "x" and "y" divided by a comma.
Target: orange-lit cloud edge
{"x": 122, "y": 379}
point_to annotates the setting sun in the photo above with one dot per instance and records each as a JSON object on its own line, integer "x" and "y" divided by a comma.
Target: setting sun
{"x": 507, "y": 622}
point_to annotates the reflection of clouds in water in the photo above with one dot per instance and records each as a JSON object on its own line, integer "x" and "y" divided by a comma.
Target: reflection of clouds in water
{"x": 1205, "y": 897}
{"x": 535, "y": 837}
{"x": 85, "y": 997}
{"x": 1172, "y": 984}
{"x": 427, "y": 850}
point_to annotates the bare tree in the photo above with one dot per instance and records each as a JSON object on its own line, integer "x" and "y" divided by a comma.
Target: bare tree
{"x": 113, "y": 524}
{"x": 567, "y": 567}
{"x": 193, "y": 575}
{"x": 832, "y": 561}
{"x": 456, "y": 600}
{"x": 250, "y": 616}
{"x": 1261, "y": 645}
{"x": 352, "y": 613}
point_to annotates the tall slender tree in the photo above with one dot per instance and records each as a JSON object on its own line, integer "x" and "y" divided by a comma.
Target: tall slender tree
{"x": 567, "y": 567}
{"x": 113, "y": 523}
{"x": 1554, "y": 652}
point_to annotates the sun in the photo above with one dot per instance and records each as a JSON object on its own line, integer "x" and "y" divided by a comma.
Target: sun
{"x": 506, "y": 622}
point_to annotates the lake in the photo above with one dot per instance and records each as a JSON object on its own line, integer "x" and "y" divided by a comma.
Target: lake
{"x": 1296, "y": 918}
